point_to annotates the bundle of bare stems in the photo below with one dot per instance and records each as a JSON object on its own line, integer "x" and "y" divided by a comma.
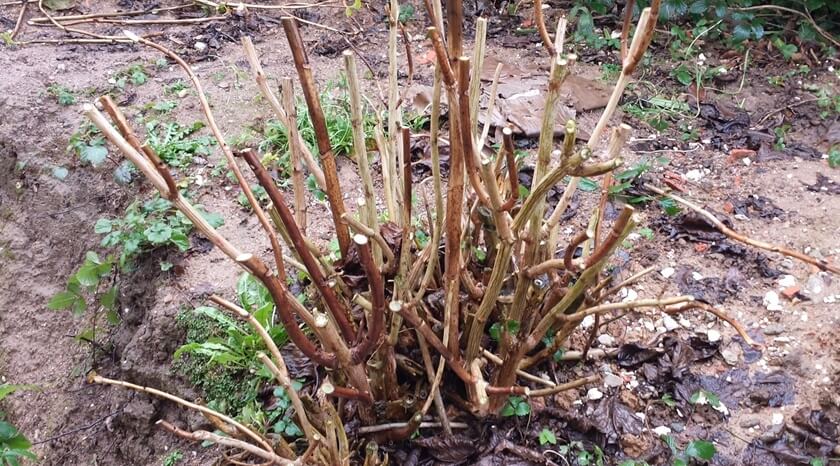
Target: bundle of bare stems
{"x": 362, "y": 334}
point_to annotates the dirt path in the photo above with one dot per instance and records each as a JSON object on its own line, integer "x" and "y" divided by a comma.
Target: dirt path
{"x": 46, "y": 225}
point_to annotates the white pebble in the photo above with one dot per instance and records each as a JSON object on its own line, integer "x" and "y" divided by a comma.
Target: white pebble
{"x": 778, "y": 419}
{"x": 667, "y": 272}
{"x": 606, "y": 339}
{"x": 787, "y": 281}
{"x": 713, "y": 335}
{"x": 670, "y": 323}
{"x": 771, "y": 301}
{"x": 662, "y": 430}
{"x": 594, "y": 394}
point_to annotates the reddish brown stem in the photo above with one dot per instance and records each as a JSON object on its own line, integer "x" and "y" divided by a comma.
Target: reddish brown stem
{"x": 454, "y": 27}
{"x": 540, "y": 22}
{"x": 570, "y": 249}
{"x": 319, "y": 124}
{"x": 442, "y": 57}
{"x": 467, "y": 143}
{"x": 376, "y": 325}
{"x": 162, "y": 169}
{"x": 327, "y": 293}
{"x": 346, "y": 392}
{"x": 119, "y": 119}
{"x": 625, "y": 27}
{"x": 406, "y": 142}
{"x": 421, "y": 326}
{"x": 282, "y": 297}
{"x": 613, "y": 236}
{"x": 512, "y": 390}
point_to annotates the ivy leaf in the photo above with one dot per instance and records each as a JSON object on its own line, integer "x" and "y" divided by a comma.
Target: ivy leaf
{"x": 180, "y": 239}
{"x": 523, "y": 409}
{"x": 215, "y": 220}
{"x": 547, "y": 437}
{"x": 682, "y": 75}
{"x": 700, "y": 449}
{"x": 93, "y": 155}
{"x": 60, "y": 173}
{"x": 103, "y": 226}
{"x": 62, "y": 300}
{"x": 158, "y": 233}
{"x": 741, "y": 32}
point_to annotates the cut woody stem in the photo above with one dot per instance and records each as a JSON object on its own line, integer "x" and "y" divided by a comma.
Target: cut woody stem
{"x": 322, "y": 137}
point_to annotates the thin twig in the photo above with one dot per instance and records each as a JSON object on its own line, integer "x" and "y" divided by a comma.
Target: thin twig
{"x": 822, "y": 264}
{"x": 19, "y": 23}
{"x": 93, "y": 377}
{"x": 204, "y": 436}
{"x": 564, "y": 387}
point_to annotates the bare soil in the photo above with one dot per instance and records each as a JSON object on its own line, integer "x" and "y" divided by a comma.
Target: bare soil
{"x": 46, "y": 225}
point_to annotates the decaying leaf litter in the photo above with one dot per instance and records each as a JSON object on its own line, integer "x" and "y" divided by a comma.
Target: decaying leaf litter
{"x": 675, "y": 368}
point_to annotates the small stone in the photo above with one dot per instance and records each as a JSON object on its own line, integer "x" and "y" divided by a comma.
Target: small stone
{"x": 773, "y": 433}
{"x": 713, "y": 335}
{"x": 594, "y": 394}
{"x": 667, "y": 272}
{"x": 787, "y": 281}
{"x": 669, "y": 323}
{"x": 732, "y": 353}
{"x": 677, "y": 427}
{"x": 606, "y": 339}
{"x": 587, "y": 322}
{"x": 628, "y": 294}
{"x": 183, "y": 93}
{"x": 612, "y": 381}
{"x": 814, "y": 286}
{"x": 694, "y": 175}
{"x": 778, "y": 419}
{"x": 200, "y": 46}
{"x": 771, "y": 301}
{"x": 662, "y": 430}
{"x": 224, "y": 84}
{"x": 696, "y": 276}
{"x": 773, "y": 329}
{"x": 649, "y": 325}
{"x": 750, "y": 421}
{"x": 685, "y": 322}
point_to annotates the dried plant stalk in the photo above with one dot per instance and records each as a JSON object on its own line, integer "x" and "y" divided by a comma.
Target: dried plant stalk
{"x": 322, "y": 137}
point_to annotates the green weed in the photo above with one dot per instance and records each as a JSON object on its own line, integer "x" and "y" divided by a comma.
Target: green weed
{"x": 14, "y": 446}
{"x": 63, "y": 95}
{"x": 516, "y": 406}
{"x": 219, "y": 358}
{"x": 547, "y": 437}
{"x": 87, "y": 142}
{"x": 173, "y": 458}
{"x": 701, "y": 450}
{"x": 152, "y": 224}
{"x": 174, "y": 144}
